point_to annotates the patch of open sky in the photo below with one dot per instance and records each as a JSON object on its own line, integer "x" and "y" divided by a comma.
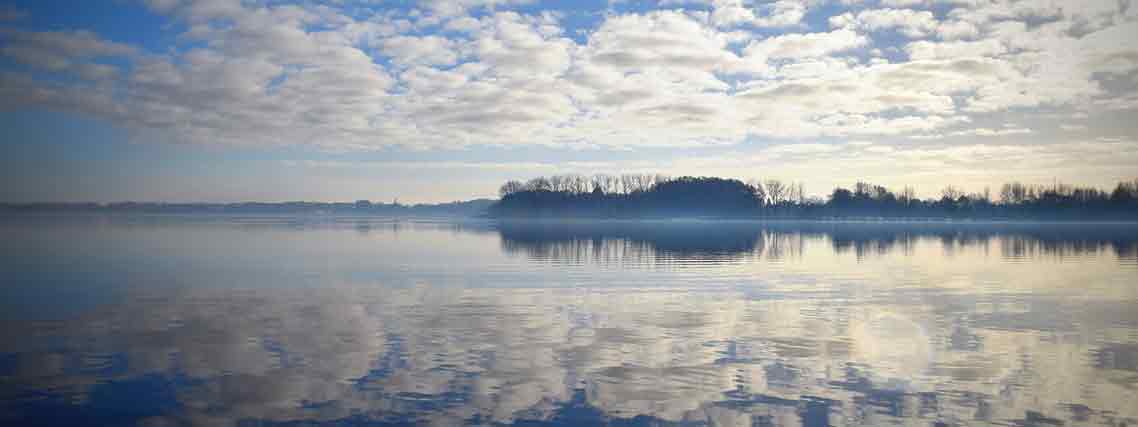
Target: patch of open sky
{"x": 75, "y": 137}
{"x": 577, "y": 21}
{"x": 378, "y": 58}
{"x": 87, "y": 154}
{"x": 635, "y": 6}
{"x": 275, "y": 83}
{"x": 123, "y": 22}
{"x": 818, "y": 18}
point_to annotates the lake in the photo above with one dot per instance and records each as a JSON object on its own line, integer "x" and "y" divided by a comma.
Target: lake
{"x": 264, "y": 321}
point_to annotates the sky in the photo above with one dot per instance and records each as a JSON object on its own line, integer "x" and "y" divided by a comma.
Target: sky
{"x": 441, "y": 100}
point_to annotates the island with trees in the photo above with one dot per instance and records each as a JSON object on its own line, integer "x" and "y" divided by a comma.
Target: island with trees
{"x": 659, "y": 196}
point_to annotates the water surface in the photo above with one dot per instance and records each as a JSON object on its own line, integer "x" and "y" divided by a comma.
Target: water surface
{"x": 207, "y": 320}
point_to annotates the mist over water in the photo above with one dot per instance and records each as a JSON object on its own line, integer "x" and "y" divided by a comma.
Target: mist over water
{"x": 204, "y": 320}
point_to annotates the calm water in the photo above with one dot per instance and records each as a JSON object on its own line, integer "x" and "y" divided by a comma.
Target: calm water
{"x": 160, "y": 321}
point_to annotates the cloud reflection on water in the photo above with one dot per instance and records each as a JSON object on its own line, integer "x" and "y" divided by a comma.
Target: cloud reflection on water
{"x": 789, "y": 327}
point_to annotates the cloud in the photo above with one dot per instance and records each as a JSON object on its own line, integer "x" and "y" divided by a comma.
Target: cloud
{"x": 459, "y": 74}
{"x": 782, "y": 13}
{"x": 79, "y": 44}
{"x": 923, "y": 49}
{"x": 911, "y": 23}
{"x": 426, "y": 50}
{"x": 735, "y": 13}
{"x": 664, "y": 39}
{"x": 457, "y": 7}
{"x": 956, "y": 30}
{"x": 793, "y": 46}
{"x": 992, "y": 132}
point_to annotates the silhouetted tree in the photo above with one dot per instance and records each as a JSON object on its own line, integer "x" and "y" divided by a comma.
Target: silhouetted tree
{"x": 510, "y": 187}
{"x": 777, "y": 191}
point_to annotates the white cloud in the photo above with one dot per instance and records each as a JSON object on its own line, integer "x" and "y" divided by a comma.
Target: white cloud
{"x": 992, "y": 132}
{"x": 663, "y": 39}
{"x": 911, "y": 23}
{"x": 426, "y": 50}
{"x": 440, "y": 76}
{"x": 956, "y": 30}
{"x": 732, "y": 13}
{"x": 923, "y": 49}
{"x": 807, "y": 45}
{"x": 782, "y": 13}
{"x": 456, "y": 7}
{"x": 463, "y": 24}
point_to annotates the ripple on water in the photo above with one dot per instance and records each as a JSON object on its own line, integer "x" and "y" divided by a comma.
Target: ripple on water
{"x": 258, "y": 321}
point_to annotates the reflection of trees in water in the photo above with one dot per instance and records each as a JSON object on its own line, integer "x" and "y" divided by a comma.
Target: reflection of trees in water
{"x": 646, "y": 242}
{"x": 1032, "y": 246}
{"x": 1015, "y": 240}
{"x": 629, "y": 242}
{"x": 780, "y": 246}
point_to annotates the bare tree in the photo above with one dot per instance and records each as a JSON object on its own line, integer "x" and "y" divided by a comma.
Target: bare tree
{"x": 612, "y": 184}
{"x": 627, "y": 183}
{"x": 757, "y": 187}
{"x": 777, "y": 191}
{"x": 1014, "y": 193}
{"x": 637, "y": 182}
{"x": 511, "y": 187}
{"x": 540, "y": 183}
{"x": 557, "y": 183}
{"x": 580, "y": 184}
{"x": 607, "y": 183}
{"x": 951, "y": 193}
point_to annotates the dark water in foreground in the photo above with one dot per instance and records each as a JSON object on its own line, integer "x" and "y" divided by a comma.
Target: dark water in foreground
{"x": 271, "y": 321}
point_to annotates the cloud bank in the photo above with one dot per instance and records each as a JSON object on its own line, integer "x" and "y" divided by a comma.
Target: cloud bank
{"x": 451, "y": 74}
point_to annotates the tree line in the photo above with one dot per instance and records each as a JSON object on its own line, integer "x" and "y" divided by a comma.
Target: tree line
{"x": 637, "y": 195}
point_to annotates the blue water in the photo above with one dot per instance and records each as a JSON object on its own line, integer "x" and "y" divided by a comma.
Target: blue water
{"x": 250, "y": 321}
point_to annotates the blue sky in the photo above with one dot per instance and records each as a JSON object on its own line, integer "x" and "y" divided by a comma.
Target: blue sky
{"x": 225, "y": 100}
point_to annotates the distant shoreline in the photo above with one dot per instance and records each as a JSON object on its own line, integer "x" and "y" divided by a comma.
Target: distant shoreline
{"x": 362, "y": 207}
{"x": 412, "y": 214}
